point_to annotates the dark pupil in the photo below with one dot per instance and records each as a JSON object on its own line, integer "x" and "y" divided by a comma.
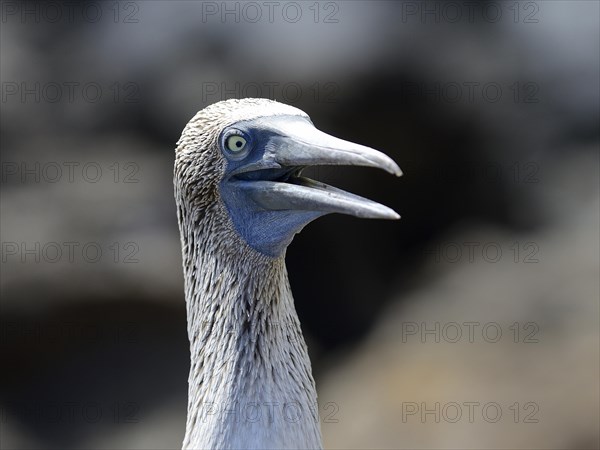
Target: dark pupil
{"x": 238, "y": 144}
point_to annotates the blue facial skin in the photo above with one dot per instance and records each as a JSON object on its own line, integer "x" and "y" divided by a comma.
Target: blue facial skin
{"x": 268, "y": 232}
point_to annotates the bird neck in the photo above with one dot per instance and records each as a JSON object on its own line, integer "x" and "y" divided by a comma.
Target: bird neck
{"x": 250, "y": 381}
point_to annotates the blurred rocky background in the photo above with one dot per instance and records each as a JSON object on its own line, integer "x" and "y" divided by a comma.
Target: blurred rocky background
{"x": 471, "y": 323}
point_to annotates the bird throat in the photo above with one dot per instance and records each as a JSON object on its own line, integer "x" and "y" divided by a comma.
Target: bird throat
{"x": 250, "y": 381}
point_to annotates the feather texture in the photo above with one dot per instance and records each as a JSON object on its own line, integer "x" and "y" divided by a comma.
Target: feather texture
{"x": 250, "y": 381}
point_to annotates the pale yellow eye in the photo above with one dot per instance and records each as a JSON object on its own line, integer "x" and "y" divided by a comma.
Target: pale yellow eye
{"x": 235, "y": 143}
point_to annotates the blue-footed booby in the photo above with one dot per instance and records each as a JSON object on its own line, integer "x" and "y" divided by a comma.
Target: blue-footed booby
{"x": 240, "y": 200}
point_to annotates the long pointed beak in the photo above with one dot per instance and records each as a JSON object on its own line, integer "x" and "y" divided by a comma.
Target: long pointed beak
{"x": 275, "y": 184}
{"x": 301, "y": 144}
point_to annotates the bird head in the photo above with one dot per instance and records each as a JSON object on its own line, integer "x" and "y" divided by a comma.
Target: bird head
{"x": 243, "y": 159}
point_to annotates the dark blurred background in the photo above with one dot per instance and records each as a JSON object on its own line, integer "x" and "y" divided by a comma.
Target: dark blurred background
{"x": 490, "y": 108}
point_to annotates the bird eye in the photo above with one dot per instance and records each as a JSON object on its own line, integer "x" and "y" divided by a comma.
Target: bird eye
{"x": 235, "y": 143}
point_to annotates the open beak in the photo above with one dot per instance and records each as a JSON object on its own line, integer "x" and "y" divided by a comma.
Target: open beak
{"x": 274, "y": 182}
